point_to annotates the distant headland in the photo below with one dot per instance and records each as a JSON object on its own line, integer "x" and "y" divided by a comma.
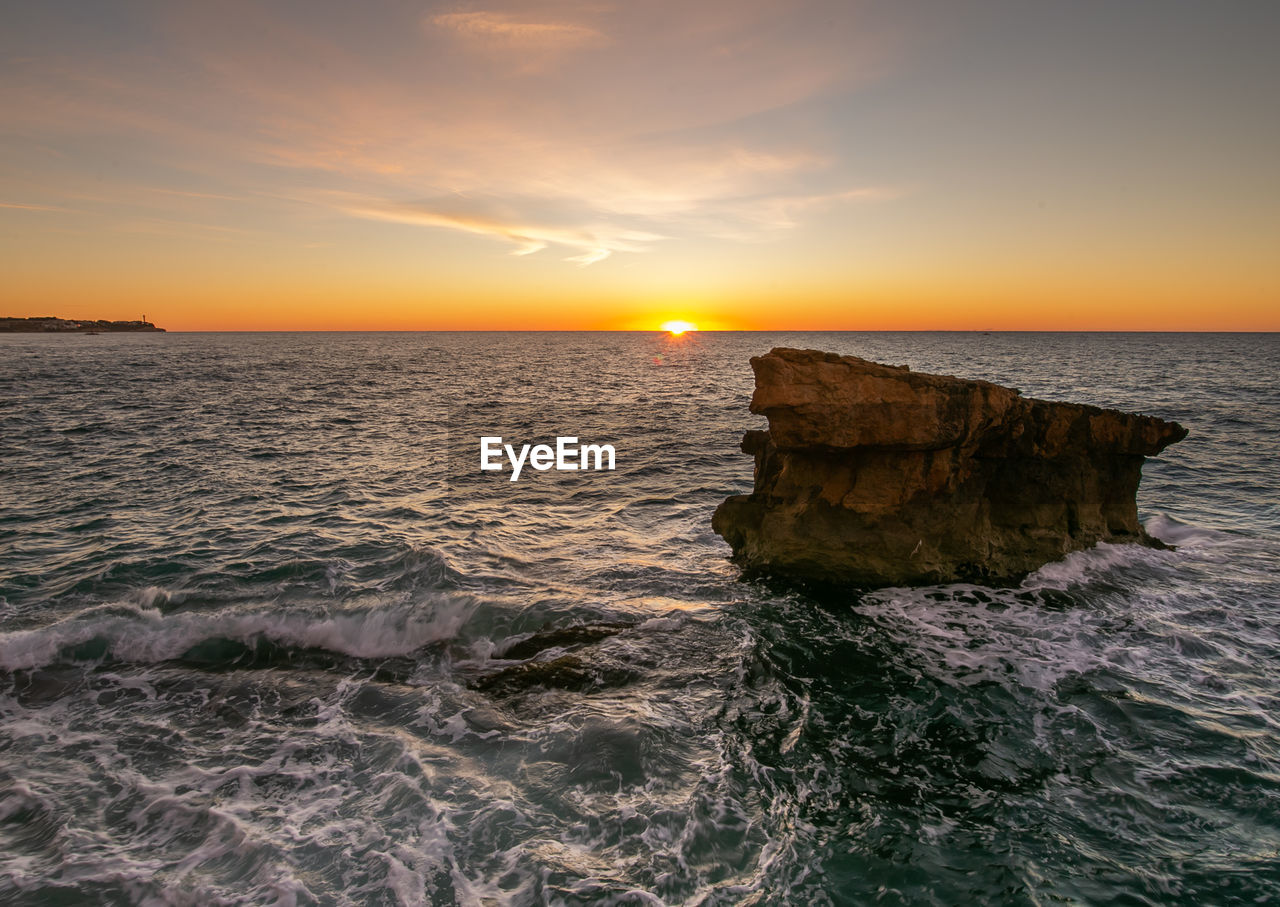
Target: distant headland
{"x": 41, "y": 324}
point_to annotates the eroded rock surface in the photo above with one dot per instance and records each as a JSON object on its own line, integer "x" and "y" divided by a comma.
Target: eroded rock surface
{"x": 876, "y": 475}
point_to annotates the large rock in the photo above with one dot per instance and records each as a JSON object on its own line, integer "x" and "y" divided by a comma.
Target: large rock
{"x": 878, "y": 476}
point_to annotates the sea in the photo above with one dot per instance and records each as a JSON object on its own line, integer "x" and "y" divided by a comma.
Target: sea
{"x": 269, "y": 635}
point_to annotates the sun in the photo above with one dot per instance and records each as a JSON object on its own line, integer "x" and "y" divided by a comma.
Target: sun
{"x": 676, "y": 328}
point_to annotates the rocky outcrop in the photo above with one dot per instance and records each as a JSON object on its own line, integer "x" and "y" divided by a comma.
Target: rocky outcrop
{"x": 875, "y": 475}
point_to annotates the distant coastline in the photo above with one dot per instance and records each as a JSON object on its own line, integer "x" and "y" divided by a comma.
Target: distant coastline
{"x": 51, "y": 325}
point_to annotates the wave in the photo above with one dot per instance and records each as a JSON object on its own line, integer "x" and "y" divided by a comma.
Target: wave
{"x": 1173, "y": 531}
{"x": 1104, "y": 560}
{"x": 140, "y": 633}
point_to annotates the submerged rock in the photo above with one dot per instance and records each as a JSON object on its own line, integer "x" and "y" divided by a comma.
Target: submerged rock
{"x": 569, "y": 671}
{"x": 562, "y": 638}
{"x": 877, "y": 476}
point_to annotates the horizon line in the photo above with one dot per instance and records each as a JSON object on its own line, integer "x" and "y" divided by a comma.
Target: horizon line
{"x": 800, "y": 330}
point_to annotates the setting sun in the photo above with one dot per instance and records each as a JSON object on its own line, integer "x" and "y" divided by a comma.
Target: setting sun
{"x": 678, "y": 327}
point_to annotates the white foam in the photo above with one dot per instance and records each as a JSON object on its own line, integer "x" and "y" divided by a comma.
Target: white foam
{"x": 661, "y": 624}
{"x": 137, "y": 634}
{"x": 184, "y": 818}
{"x": 1080, "y": 567}
{"x": 1173, "y": 531}
{"x": 962, "y": 642}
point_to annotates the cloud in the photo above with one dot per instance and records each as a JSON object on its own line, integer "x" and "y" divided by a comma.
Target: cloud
{"x": 754, "y": 219}
{"x": 21, "y": 207}
{"x": 505, "y": 29}
{"x": 657, "y": 121}
{"x": 533, "y": 224}
{"x": 592, "y": 244}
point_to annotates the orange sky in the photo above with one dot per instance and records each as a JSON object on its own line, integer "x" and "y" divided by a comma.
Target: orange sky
{"x": 598, "y": 165}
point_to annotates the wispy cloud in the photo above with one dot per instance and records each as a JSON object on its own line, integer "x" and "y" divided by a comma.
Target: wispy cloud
{"x": 22, "y": 207}
{"x": 507, "y": 29}
{"x": 762, "y": 218}
{"x": 592, "y": 244}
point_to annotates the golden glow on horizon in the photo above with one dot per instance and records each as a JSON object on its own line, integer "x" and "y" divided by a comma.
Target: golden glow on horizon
{"x": 676, "y": 328}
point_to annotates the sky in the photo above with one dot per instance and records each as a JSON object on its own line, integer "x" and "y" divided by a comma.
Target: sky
{"x": 557, "y": 164}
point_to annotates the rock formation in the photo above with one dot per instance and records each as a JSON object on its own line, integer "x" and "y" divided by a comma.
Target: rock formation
{"x": 875, "y": 475}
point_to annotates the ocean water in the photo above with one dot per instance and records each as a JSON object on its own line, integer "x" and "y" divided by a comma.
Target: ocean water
{"x": 268, "y": 636}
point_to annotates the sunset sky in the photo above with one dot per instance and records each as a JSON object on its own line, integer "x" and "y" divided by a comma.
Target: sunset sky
{"x": 742, "y": 165}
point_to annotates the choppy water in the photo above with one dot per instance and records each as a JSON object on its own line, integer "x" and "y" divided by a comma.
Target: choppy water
{"x": 261, "y": 642}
